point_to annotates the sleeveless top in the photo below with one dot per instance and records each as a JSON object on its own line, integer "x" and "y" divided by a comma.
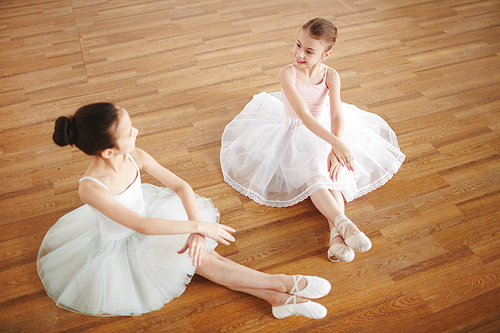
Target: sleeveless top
{"x": 315, "y": 96}
{"x": 131, "y": 198}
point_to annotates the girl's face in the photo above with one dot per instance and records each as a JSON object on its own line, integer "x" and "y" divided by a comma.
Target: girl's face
{"x": 125, "y": 134}
{"x": 308, "y": 51}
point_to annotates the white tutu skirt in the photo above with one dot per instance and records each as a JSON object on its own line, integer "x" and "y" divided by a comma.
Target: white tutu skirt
{"x": 277, "y": 161}
{"x": 86, "y": 274}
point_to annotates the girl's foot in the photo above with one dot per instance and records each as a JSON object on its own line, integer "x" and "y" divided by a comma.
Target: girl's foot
{"x": 307, "y": 309}
{"x": 354, "y": 238}
{"x": 338, "y": 250}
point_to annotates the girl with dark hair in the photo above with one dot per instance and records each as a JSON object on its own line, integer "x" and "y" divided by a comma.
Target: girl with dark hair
{"x": 287, "y": 146}
{"x": 133, "y": 247}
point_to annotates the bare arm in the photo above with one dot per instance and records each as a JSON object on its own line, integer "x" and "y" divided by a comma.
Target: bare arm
{"x": 333, "y": 137}
{"x": 339, "y": 155}
{"x": 337, "y": 120}
{"x": 287, "y": 81}
{"x": 98, "y": 197}
{"x": 196, "y": 241}
{"x": 169, "y": 179}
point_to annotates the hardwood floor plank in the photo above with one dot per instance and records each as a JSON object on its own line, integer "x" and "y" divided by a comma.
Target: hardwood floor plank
{"x": 486, "y": 312}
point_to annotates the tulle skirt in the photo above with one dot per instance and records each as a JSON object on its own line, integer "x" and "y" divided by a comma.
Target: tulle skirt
{"x": 277, "y": 161}
{"x": 84, "y": 273}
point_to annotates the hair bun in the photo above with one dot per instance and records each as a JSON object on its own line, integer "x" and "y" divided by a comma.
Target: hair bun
{"x": 64, "y": 131}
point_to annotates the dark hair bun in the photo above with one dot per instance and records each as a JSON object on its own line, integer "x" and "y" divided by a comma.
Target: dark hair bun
{"x": 64, "y": 132}
{"x": 89, "y": 129}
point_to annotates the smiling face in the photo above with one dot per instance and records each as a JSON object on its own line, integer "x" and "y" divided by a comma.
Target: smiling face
{"x": 125, "y": 134}
{"x": 309, "y": 51}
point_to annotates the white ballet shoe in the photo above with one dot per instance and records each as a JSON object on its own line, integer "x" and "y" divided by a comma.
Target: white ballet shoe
{"x": 308, "y": 309}
{"x": 358, "y": 242}
{"x": 338, "y": 251}
{"x": 316, "y": 287}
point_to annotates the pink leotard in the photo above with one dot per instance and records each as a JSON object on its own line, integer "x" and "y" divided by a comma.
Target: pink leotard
{"x": 315, "y": 96}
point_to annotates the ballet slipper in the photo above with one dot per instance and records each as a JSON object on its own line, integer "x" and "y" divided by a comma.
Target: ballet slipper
{"x": 308, "y": 309}
{"x": 316, "y": 287}
{"x": 338, "y": 251}
{"x": 358, "y": 241}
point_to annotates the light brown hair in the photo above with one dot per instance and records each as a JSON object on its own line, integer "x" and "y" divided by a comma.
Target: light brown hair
{"x": 323, "y": 30}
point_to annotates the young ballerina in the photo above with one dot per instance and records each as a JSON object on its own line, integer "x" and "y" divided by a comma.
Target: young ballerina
{"x": 133, "y": 247}
{"x": 304, "y": 142}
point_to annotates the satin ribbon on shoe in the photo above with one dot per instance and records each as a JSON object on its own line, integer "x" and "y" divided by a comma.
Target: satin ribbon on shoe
{"x": 337, "y": 252}
{"x": 316, "y": 287}
{"x": 358, "y": 241}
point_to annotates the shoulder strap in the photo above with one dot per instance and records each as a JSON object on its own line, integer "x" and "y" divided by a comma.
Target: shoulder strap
{"x": 95, "y": 180}
{"x": 133, "y": 161}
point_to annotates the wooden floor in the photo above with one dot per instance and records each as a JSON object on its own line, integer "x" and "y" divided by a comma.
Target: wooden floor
{"x": 184, "y": 69}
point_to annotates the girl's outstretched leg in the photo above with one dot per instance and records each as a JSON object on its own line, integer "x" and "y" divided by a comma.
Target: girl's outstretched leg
{"x": 339, "y": 198}
{"x": 273, "y": 288}
{"x": 233, "y": 275}
{"x": 328, "y": 203}
{"x": 331, "y": 205}
{"x": 348, "y": 229}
